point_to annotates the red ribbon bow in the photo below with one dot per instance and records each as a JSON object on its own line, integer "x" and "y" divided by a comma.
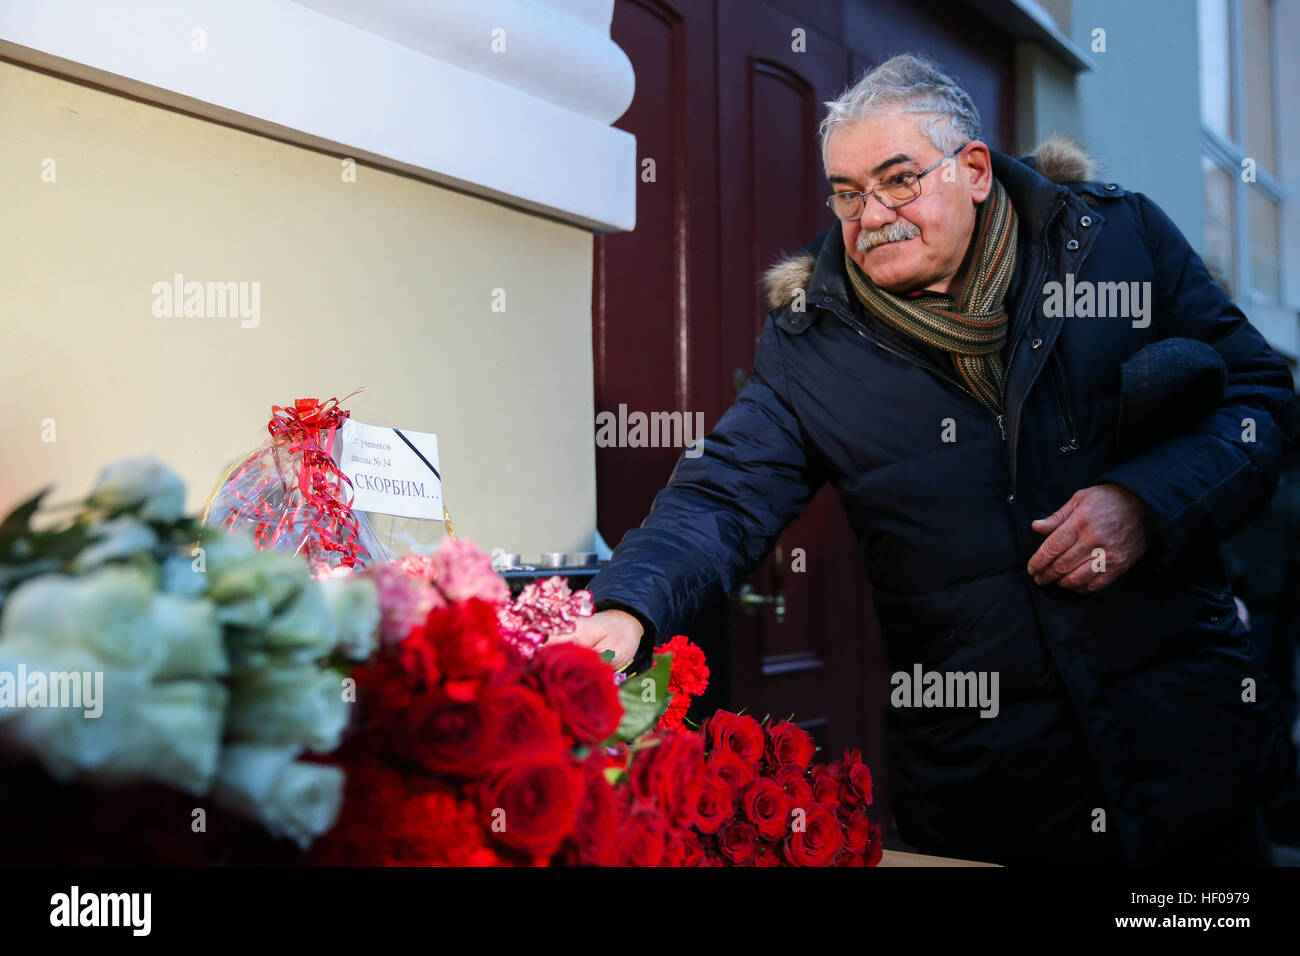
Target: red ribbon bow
{"x": 306, "y": 430}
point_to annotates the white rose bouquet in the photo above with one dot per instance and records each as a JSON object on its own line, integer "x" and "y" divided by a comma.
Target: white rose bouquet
{"x": 137, "y": 646}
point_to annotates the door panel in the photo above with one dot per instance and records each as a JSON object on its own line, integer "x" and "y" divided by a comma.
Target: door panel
{"x": 771, "y": 190}
{"x": 654, "y": 288}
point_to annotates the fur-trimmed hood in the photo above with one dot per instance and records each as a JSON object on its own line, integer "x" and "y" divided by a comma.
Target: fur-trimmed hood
{"x": 1057, "y": 159}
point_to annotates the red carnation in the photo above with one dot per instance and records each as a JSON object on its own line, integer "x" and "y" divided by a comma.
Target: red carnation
{"x": 580, "y": 686}
{"x": 532, "y": 805}
{"x": 674, "y": 717}
{"x": 742, "y": 736}
{"x": 767, "y": 807}
{"x": 789, "y": 744}
{"x": 816, "y": 838}
{"x": 795, "y": 784}
{"x": 738, "y": 842}
{"x": 717, "y": 802}
{"x": 689, "y": 673}
{"x": 469, "y": 644}
{"x": 688, "y": 677}
{"x": 733, "y": 769}
{"x": 670, "y": 775}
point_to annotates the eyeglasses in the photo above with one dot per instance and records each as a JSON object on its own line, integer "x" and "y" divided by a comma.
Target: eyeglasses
{"x": 902, "y": 189}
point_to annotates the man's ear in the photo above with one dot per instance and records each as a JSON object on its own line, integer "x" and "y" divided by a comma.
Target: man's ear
{"x": 978, "y": 165}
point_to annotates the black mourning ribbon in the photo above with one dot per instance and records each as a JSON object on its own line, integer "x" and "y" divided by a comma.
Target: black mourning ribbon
{"x": 417, "y": 454}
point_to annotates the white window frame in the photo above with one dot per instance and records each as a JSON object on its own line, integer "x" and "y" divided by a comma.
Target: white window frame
{"x": 1229, "y": 154}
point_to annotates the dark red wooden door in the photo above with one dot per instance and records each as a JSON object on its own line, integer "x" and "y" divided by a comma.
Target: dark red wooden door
{"x": 773, "y": 76}
{"x": 655, "y": 288}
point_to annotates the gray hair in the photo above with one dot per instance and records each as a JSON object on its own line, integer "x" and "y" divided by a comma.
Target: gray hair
{"x": 912, "y": 84}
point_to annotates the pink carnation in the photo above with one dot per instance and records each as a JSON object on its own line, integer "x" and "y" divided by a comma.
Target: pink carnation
{"x": 417, "y": 566}
{"x": 404, "y": 602}
{"x": 460, "y": 571}
{"x": 543, "y": 609}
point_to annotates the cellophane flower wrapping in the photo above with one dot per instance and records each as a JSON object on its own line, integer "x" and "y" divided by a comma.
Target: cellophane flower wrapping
{"x": 290, "y": 495}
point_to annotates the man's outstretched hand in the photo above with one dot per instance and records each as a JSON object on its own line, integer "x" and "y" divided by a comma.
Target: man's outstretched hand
{"x": 612, "y": 630}
{"x": 1103, "y": 516}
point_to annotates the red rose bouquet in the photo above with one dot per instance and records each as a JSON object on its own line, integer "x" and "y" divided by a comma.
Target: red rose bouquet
{"x": 764, "y": 803}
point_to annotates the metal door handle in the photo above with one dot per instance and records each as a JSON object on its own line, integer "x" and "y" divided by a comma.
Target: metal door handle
{"x": 751, "y": 601}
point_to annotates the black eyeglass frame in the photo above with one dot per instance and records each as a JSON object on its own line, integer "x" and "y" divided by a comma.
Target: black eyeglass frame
{"x": 863, "y": 193}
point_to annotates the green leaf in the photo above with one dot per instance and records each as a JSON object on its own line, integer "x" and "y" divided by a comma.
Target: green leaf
{"x": 615, "y": 775}
{"x": 64, "y": 545}
{"x": 607, "y": 657}
{"x": 645, "y": 742}
{"x": 19, "y": 521}
{"x": 16, "y": 535}
{"x": 640, "y": 715}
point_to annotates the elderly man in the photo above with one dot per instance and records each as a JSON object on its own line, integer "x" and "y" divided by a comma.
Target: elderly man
{"x": 1038, "y": 486}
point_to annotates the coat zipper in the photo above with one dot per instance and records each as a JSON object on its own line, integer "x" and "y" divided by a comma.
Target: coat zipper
{"x": 1023, "y": 321}
{"x": 1063, "y": 404}
{"x": 831, "y": 306}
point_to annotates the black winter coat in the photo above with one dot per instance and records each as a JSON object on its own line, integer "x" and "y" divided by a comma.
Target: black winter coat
{"x": 1128, "y": 700}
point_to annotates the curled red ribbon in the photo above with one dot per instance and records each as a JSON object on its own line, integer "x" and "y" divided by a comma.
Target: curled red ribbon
{"x": 306, "y": 431}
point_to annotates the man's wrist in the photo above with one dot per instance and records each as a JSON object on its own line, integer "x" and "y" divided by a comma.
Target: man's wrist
{"x": 647, "y": 626}
{"x": 1157, "y": 551}
{"x": 632, "y": 619}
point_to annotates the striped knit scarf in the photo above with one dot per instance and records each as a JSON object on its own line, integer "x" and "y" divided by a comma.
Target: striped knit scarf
{"x": 973, "y": 327}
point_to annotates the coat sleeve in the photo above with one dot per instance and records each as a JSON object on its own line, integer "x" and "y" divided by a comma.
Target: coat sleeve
{"x": 720, "y": 513}
{"x": 1205, "y": 484}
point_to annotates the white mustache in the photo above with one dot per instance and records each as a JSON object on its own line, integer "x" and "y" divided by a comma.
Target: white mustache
{"x": 895, "y": 231}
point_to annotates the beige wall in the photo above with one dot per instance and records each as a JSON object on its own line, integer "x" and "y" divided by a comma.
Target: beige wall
{"x": 385, "y": 282}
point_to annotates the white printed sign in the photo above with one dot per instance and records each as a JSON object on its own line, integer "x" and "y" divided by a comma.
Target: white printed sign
{"x": 393, "y": 472}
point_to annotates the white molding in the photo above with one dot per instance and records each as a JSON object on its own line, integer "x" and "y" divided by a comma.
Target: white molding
{"x": 528, "y": 127}
{"x": 546, "y": 53}
{"x": 1027, "y": 20}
